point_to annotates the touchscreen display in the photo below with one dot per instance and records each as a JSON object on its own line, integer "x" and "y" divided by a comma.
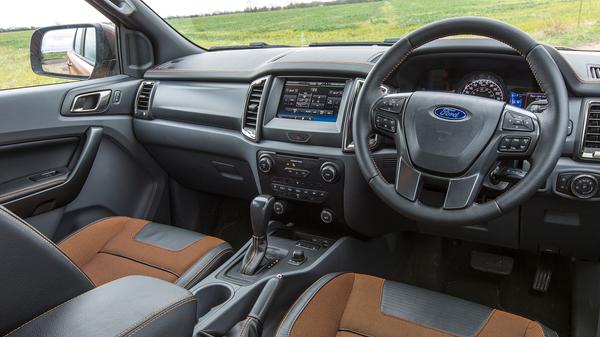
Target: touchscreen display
{"x": 311, "y": 100}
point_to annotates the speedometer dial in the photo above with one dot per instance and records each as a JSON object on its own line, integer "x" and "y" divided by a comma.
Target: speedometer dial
{"x": 485, "y": 85}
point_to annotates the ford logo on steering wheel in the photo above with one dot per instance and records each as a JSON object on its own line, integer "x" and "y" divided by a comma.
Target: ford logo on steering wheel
{"x": 450, "y": 113}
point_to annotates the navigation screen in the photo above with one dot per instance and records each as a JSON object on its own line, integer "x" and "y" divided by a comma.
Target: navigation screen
{"x": 311, "y": 101}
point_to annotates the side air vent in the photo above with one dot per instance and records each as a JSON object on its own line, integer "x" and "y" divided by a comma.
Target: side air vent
{"x": 594, "y": 71}
{"x": 253, "y": 108}
{"x": 590, "y": 144}
{"x": 142, "y": 100}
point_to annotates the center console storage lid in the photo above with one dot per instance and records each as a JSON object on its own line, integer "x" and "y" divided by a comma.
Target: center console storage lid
{"x": 131, "y": 306}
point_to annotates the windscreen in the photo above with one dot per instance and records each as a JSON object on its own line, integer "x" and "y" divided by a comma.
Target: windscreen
{"x": 561, "y": 23}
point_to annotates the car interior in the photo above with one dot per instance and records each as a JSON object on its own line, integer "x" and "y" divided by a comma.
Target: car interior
{"x": 443, "y": 183}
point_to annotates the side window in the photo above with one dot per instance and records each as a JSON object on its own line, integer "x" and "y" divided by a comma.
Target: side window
{"x": 32, "y": 53}
{"x": 89, "y": 49}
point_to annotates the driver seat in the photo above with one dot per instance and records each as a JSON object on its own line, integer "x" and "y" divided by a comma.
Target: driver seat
{"x": 354, "y": 305}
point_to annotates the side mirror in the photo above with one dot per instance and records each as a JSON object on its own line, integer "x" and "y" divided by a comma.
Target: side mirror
{"x": 74, "y": 51}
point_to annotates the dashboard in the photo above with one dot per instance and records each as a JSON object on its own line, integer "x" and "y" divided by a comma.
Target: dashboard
{"x": 278, "y": 121}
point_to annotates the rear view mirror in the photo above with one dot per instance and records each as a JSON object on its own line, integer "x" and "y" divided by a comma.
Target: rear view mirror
{"x": 74, "y": 51}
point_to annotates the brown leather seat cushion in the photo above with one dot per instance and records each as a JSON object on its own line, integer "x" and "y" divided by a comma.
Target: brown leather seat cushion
{"x": 108, "y": 249}
{"x": 351, "y": 305}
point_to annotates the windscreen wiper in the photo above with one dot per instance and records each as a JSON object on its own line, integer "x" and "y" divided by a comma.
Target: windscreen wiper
{"x": 251, "y": 45}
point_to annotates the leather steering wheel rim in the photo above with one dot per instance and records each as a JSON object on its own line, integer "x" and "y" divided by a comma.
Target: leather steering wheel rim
{"x": 543, "y": 158}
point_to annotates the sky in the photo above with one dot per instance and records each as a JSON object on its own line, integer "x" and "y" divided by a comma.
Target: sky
{"x": 39, "y": 13}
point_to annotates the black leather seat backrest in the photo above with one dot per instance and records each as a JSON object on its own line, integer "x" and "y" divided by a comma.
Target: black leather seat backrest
{"x": 35, "y": 275}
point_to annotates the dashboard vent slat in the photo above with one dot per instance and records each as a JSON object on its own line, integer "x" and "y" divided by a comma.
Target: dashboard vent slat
{"x": 253, "y": 107}
{"x": 594, "y": 71}
{"x": 143, "y": 98}
{"x": 590, "y": 145}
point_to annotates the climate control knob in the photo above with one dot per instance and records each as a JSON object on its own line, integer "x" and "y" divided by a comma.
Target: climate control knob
{"x": 329, "y": 172}
{"x": 584, "y": 186}
{"x": 265, "y": 164}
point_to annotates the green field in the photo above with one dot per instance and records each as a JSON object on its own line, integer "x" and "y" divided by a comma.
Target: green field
{"x": 551, "y": 21}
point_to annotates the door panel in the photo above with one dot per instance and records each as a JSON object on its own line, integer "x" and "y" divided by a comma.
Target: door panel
{"x": 21, "y": 159}
{"x": 101, "y": 169}
{"x": 50, "y": 186}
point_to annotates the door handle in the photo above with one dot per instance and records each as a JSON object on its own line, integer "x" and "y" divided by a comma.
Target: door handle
{"x": 91, "y": 102}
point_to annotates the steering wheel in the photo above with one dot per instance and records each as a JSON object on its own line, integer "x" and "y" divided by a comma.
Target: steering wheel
{"x": 453, "y": 141}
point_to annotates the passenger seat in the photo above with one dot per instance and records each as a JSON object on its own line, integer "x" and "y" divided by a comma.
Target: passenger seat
{"x": 116, "y": 247}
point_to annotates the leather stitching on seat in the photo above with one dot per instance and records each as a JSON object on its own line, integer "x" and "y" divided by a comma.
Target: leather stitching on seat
{"x": 487, "y": 321}
{"x": 302, "y": 298}
{"x": 76, "y": 233}
{"x": 83, "y": 228}
{"x": 140, "y": 262}
{"x": 208, "y": 266}
{"x": 309, "y": 299}
{"x": 355, "y": 332}
{"x": 45, "y": 240}
{"x": 154, "y": 316}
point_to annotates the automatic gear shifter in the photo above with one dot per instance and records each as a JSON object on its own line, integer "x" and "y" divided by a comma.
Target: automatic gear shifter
{"x": 260, "y": 214}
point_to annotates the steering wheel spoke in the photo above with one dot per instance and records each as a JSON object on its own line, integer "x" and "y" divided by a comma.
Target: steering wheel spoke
{"x": 408, "y": 180}
{"x": 462, "y": 191}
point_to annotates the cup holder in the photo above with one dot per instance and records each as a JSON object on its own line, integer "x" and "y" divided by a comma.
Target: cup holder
{"x": 212, "y": 296}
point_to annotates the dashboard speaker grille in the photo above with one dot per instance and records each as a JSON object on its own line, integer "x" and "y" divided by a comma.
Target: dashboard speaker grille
{"x": 142, "y": 100}
{"x": 591, "y": 133}
{"x": 253, "y": 107}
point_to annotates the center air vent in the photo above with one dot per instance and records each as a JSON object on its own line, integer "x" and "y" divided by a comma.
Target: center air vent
{"x": 142, "y": 100}
{"x": 253, "y": 108}
{"x": 594, "y": 71}
{"x": 590, "y": 145}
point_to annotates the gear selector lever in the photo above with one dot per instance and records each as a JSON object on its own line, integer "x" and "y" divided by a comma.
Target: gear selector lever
{"x": 261, "y": 209}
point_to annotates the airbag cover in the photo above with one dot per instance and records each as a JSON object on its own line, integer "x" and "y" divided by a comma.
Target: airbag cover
{"x": 446, "y": 132}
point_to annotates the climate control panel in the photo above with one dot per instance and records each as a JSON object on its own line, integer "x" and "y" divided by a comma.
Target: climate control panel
{"x": 309, "y": 180}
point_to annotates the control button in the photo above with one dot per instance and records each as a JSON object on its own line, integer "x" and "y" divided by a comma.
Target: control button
{"x": 327, "y": 216}
{"x": 296, "y": 173}
{"x": 584, "y": 186}
{"x": 265, "y": 164}
{"x": 297, "y": 193}
{"x": 299, "y": 137}
{"x": 563, "y": 183}
{"x": 117, "y": 96}
{"x": 570, "y": 128}
{"x": 514, "y": 144}
{"x": 308, "y": 245}
{"x": 297, "y": 258}
{"x": 391, "y": 104}
{"x": 279, "y": 207}
{"x": 385, "y": 123}
{"x": 329, "y": 172}
{"x": 517, "y": 122}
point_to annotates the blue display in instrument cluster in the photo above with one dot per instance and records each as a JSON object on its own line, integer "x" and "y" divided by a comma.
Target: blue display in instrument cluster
{"x": 523, "y": 99}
